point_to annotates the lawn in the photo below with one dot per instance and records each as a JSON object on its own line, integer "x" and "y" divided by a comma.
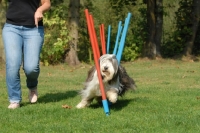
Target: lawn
{"x": 167, "y": 100}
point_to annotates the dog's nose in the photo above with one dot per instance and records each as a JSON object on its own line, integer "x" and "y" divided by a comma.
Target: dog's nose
{"x": 105, "y": 67}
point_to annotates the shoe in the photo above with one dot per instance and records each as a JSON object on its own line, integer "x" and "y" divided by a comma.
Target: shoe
{"x": 33, "y": 95}
{"x": 13, "y": 105}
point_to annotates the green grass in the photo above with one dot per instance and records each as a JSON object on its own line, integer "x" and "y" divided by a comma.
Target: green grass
{"x": 167, "y": 100}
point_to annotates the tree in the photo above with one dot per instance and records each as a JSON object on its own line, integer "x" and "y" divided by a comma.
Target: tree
{"x": 195, "y": 23}
{"x": 159, "y": 26}
{"x": 71, "y": 56}
{"x": 151, "y": 48}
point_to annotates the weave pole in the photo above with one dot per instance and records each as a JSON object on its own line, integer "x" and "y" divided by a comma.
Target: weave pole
{"x": 123, "y": 37}
{"x": 117, "y": 38}
{"x": 108, "y": 39}
{"x": 102, "y": 36}
{"x": 95, "y": 48}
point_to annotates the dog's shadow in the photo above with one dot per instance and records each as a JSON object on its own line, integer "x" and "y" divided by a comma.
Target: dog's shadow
{"x": 55, "y": 97}
{"x": 120, "y": 104}
{"x": 116, "y": 106}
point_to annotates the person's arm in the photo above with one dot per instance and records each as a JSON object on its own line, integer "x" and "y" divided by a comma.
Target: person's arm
{"x": 45, "y": 5}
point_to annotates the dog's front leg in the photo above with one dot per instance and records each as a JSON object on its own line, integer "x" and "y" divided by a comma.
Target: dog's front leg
{"x": 112, "y": 95}
{"x": 87, "y": 98}
{"x": 84, "y": 103}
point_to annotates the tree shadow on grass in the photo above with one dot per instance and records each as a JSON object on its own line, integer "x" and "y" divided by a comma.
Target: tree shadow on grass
{"x": 55, "y": 97}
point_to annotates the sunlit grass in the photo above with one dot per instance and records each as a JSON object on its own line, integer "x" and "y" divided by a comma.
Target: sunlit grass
{"x": 167, "y": 100}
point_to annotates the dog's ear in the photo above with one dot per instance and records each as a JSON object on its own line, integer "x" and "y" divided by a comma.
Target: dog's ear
{"x": 115, "y": 77}
{"x": 115, "y": 64}
{"x": 99, "y": 61}
{"x": 90, "y": 74}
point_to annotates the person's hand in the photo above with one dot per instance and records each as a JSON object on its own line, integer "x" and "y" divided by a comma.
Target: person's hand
{"x": 38, "y": 16}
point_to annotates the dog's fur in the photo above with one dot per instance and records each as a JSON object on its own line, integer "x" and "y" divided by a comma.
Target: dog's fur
{"x": 115, "y": 79}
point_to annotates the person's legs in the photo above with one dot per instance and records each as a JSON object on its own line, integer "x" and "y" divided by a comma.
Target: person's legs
{"x": 33, "y": 41}
{"x": 13, "y": 50}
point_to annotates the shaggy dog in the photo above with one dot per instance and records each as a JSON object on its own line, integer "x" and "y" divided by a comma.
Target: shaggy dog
{"x": 115, "y": 79}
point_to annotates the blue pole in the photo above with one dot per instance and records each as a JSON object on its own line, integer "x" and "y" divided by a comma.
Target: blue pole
{"x": 122, "y": 41}
{"x": 108, "y": 40}
{"x": 117, "y": 38}
{"x": 106, "y": 107}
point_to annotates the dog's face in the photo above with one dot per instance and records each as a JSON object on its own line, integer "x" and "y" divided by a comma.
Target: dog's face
{"x": 108, "y": 66}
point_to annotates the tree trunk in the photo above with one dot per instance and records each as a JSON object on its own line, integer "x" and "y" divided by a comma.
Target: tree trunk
{"x": 159, "y": 26}
{"x": 195, "y": 19}
{"x": 71, "y": 56}
{"x": 150, "y": 47}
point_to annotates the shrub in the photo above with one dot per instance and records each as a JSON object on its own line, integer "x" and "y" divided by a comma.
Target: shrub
{"x": 56, "y": 37}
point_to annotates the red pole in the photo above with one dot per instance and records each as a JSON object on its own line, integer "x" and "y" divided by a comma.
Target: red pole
{"x": 103, "y": 37}
{"x": 90, "y": 31}
{"x": 94, "y": 36}
{"x": 95, "y": 49}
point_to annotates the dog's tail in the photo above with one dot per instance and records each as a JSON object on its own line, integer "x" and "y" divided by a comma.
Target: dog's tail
{"x": 126, "y": 82}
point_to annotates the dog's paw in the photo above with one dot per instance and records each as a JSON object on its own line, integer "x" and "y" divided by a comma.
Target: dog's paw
{"x": 112, "y": 96}
{"x": 82, "y": 104}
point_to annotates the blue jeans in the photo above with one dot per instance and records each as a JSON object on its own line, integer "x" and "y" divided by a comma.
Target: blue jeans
{"x": 22, "y": 45}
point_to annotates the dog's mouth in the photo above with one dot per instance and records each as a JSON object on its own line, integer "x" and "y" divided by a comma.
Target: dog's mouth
{"x": 106, "y": 72}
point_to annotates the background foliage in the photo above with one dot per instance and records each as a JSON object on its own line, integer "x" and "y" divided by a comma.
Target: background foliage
{"x": 179, "y": 35}
{"x": 176, "y": 28}
{"x": 56, "y": 37}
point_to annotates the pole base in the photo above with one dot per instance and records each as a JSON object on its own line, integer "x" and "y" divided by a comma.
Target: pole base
{"x": 106, "y": 107}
